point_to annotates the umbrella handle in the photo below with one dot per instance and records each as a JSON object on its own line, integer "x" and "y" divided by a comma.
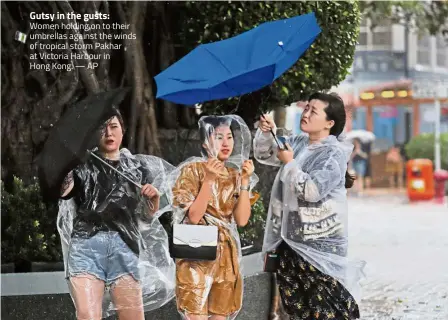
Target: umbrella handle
{"x": 151, "y": 206}
{"x": 275, "y": 137}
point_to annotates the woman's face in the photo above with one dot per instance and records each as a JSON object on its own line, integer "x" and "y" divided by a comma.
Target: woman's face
{"x": 314, "y": 118}
{"x": 112, "y": 136}
{"x": 222, "y": 142}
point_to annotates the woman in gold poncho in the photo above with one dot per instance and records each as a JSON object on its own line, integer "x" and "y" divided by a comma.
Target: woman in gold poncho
{"x": 216, "y": 189}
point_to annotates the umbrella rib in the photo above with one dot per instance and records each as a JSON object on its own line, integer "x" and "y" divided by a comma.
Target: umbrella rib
{"x": 304, "y": 23}
{"x": 219, "y": 60}
{"x": 223, "y": 65}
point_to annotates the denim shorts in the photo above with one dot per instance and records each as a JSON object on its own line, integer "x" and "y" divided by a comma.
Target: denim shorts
{"x": 360, "y": 167}
{"x": 105, "y": 256}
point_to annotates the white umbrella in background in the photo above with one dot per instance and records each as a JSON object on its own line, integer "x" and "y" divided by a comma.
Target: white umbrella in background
{"x": 363, "y": 135}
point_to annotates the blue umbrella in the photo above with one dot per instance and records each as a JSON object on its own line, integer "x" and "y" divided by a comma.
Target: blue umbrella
{"x": 238, "y": 65}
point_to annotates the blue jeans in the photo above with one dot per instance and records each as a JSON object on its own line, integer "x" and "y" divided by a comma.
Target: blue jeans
{"x": 105, "y": 256}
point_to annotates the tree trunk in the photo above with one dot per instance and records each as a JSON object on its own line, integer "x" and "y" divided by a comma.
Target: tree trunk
{"x": 150, "y": 107}
{"x": 134, "y": 68}
{"x": 143, "y": 104}
{"x": 88, "y": 76}
{"x": 166, "y": 51}
{"x": 17, "y": 148}
{"x": 102, "y": 71}
{"x": 34, "y": 100}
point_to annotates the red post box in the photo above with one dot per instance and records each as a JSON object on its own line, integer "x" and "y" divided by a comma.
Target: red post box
{"x": 420, "y": 179}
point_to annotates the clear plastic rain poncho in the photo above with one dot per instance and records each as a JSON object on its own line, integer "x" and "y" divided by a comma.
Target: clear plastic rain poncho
{"x": 308, "y": 205}
{"x": 213, "y": 287}
{"x": 110, "y": 232}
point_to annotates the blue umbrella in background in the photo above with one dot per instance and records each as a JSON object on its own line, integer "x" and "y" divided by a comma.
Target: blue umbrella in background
{"x": 238, "y": 65}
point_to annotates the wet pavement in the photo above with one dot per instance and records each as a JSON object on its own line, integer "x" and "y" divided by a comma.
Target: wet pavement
{"x": 406, "y": 250}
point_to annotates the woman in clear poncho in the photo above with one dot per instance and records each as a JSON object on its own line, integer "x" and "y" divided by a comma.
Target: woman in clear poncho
{"x": 307, "y": 218}
{"x": 216, "y": 186}
{"x": 110, "y": 233}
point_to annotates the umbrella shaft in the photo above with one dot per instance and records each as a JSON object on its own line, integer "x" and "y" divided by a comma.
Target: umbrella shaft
{"x": 121, "y": 174}
{"x": 273, "y": 134}
{"x": 151, "y": 206}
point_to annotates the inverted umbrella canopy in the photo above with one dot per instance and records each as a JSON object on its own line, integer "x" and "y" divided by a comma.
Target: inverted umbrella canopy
{"x": 74, "y": 135}
{"x": 238, "y": 65}
{"x": 363, "y": 135}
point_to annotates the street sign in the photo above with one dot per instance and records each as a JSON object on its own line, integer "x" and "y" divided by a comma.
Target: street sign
{"x": 430, "y": 89}
{"x": 435, "y": 90}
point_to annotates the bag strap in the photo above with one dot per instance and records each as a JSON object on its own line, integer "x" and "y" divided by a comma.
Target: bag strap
{"x": 187, "y": 214}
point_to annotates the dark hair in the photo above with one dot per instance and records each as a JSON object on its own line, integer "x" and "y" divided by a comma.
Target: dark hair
{"x": 120, "y": 119}
{"x": 335, "y": 111}
{"x": 116, "y": 113}
{"x": 206, "y": 131}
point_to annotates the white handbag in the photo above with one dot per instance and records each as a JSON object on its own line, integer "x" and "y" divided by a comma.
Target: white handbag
{"x": 194, "y": 242}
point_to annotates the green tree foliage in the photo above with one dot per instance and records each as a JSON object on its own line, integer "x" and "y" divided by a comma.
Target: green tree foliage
{"x": 325, "y": 65}
{"x": 28, "y": 225}
{"x": 422, "y": 147}
{"x": 425, "y": 17}
{"x": 252, "y": 234}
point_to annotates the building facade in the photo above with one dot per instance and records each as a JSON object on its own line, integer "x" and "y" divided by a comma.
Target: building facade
{"x": 383, "y": 55}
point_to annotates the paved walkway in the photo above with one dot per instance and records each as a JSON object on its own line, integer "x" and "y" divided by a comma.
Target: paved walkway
{"x": 406, "y": 249}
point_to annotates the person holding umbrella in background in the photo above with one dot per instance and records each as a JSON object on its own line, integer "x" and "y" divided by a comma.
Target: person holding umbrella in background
{"x": 108, "y": 222}
{"x": 307, "y": 220}
{"x": 359, "y": 161}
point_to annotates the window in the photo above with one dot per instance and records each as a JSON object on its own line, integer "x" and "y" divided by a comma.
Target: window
{"x": 358, "y": 63}
{"x": 441, "y": 60}
{"x": 384, "y": 23}
{"x": 384, "y": 66}
{"x": 442, "y": 52}
{"x": 424, "y": 41}
{"x": 424, "y": 50}
{"x": 423, "y": 57}
{"x": 362, "y": 39}
{"x": 372, "y": 66}
{"x": 382, "y": 38}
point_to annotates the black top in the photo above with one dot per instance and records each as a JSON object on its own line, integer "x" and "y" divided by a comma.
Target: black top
{"x": 108, "y": 202}
{"x": 357, "y": 158}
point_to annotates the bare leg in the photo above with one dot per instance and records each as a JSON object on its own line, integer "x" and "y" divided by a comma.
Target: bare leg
{"x": 400, "y": 180}
{"x": 368, "y": 182}
{"x": 128, "y": 299}
{"x": 87, "y": 294}
{"x": 392, "y": 181}
{"x": 360, "y": 184}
